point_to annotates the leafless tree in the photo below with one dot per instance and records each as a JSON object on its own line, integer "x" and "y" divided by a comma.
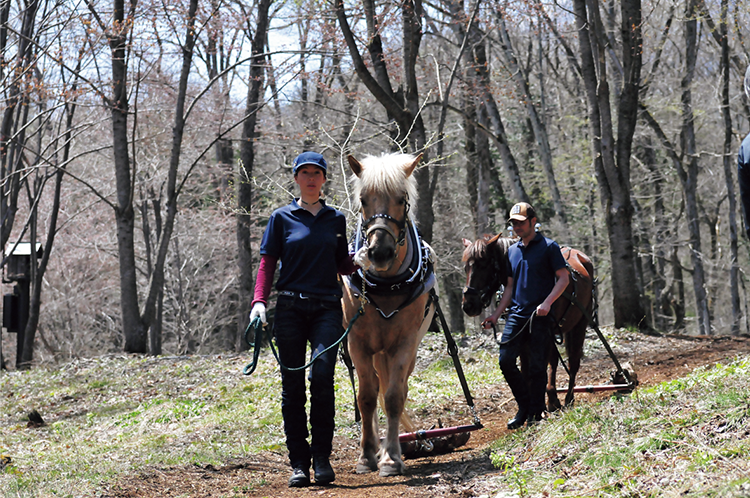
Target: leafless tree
{"x": 612, "y": 159}
{"x": 247, "y": 160}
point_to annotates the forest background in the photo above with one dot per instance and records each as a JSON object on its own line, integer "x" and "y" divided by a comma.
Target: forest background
{"x": 143, "y": 145}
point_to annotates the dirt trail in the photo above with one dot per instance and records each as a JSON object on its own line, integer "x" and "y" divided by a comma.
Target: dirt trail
{"x": 460, "y": 473}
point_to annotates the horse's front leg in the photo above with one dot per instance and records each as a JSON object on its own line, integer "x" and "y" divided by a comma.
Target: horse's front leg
{"x": 574, "y": 343}
{"x": 367, "y": 399}
{"x": 553, "y": 402}
{"x": 396, "y": 386}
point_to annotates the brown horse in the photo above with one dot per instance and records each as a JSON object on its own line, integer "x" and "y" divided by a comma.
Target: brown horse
{"x": 485, "y": 265}
{"x": 394, "y": 294}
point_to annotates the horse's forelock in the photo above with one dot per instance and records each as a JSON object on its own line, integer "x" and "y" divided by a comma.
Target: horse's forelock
{"x": 476, "y": 250}
{"x": 480, "y": 248}
{"x": 386, "y": 174}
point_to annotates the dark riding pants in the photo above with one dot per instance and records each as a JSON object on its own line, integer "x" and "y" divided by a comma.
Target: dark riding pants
{"x": 297, "y": 322}
{"x": 529, "y": 386}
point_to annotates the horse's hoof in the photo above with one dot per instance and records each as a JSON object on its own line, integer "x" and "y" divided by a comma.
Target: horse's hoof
{"x": 389, "y": 470}
{"x": 366, "y": 467}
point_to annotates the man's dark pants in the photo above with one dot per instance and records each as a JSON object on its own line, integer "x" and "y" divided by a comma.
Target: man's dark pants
{"x": 298, "y": 321}
{"x": 529, "y": 387}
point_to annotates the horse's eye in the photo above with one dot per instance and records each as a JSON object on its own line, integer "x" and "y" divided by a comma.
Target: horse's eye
{"x": 402, "y": 201}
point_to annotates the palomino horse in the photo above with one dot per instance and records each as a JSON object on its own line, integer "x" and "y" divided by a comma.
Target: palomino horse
{"x": 394, "y": 294}
{"x": 486, "y": 263}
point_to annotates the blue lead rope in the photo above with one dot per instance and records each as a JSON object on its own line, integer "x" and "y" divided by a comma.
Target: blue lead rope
{"x": 257, "y": 327}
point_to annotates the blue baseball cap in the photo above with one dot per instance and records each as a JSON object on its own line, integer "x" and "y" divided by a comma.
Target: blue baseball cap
{"x": 310, "y": 158}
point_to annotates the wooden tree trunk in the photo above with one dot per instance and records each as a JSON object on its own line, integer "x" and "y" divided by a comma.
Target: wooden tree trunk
{"x": 728, "y": 175}
{"x": 678, "y": 291}
{"x": 39, "y": 272}
{"x": 661, "y": 231}
{"x": 245, "y": 174}
{"x": 689, "y": 176}
{"x": 611, "y": 168}
{"x": 134, "y": 332}
{"x": 537, "y": 125}
{"x": 487, "y": 121}
{"x": 478, "y": 168}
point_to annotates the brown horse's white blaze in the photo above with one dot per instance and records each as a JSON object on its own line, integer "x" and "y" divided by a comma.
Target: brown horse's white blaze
{"x": 384, "y": 350}
{"x": 486, "y": 270}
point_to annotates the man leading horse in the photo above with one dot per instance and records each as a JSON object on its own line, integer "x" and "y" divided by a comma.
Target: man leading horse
{"x": 537, "y": 277}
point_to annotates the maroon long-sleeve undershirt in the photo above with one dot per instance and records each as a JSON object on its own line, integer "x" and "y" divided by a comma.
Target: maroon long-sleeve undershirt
{"x": 264, "y": 278}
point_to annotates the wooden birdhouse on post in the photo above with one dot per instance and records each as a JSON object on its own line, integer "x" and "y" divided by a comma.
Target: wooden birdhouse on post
{"x": 16, "y": 304}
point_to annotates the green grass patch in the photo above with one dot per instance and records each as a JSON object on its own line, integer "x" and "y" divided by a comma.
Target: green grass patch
{"x": 114, "y": 416}
{"x": 685, "y": 437}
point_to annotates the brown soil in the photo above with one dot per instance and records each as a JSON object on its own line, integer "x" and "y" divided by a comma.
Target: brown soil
{"x": 462, "y": 472}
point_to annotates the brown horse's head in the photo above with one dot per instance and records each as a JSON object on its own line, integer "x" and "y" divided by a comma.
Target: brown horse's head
{"x": 484, "y": 263}
{"x": 384, "y": 188}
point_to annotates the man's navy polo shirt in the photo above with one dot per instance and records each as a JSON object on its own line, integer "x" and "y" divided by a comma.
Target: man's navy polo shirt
{"x": 309, "y": 248}
{"x": 533, "y": 269}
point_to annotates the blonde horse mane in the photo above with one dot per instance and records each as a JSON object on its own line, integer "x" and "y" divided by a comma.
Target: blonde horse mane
{"x": 386, "y": 173}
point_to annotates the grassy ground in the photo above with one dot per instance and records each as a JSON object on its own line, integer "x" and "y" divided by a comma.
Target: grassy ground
{"x": 686, "y": 437}
{"x": 113, "y": 416}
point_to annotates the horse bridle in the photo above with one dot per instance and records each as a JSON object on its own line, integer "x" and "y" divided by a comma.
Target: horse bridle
{"x": 485, "y": 294}
{"x": 369, "y": 226}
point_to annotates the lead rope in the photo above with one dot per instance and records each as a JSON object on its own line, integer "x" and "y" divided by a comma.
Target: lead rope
{"x": 257, "y": 327}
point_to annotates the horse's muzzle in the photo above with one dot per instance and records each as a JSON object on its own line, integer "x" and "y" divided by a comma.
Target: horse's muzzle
{"x": 381, "y": 248}
{"x": 471, "y": 308}
{"x": 471, "y": 302}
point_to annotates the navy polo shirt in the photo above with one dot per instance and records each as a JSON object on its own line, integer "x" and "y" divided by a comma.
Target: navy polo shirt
{"x": 308, "y": 247}
{"x": 743, "y": 173}
{"x": 533, "y": 269}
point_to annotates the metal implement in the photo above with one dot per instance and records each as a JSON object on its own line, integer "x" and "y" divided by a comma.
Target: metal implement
{"x": 441, "y": 432}
{"x": 594, "y": 389}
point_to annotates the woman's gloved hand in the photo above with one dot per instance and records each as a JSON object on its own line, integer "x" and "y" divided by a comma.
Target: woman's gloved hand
{"x": 361, "y": 259}
{"x": 258, "y": 311}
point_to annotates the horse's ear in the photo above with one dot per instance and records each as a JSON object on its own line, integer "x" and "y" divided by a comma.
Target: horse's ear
{"x": 410, "y": 169}
{"x": 466, "y": 242}
{"x": 355, "y": 165}
{"x": 494, "y": 239}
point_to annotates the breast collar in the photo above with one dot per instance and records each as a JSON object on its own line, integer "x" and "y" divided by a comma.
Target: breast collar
{"x": 415, "y": 277}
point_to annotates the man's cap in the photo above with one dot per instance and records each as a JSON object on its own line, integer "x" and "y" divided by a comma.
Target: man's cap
{"x": 521, "y": 212}
{"x": 310, "y": 157}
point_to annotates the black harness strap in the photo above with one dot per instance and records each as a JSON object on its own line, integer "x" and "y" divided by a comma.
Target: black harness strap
{"x": 453, "y": 351}
{"x": 593, "y": 323}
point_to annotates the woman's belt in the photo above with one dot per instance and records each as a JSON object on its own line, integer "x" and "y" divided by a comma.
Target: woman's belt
{"x": 310, "y": 295}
